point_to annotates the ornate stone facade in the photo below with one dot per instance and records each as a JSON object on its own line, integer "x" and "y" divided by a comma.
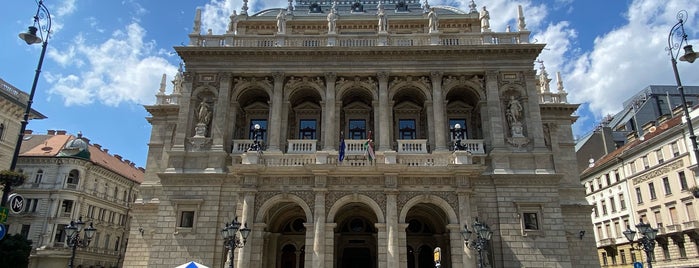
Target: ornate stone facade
{"x": 315, "y": 196}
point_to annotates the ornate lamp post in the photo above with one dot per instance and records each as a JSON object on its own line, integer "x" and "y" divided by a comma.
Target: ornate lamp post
{"x": 480, "y": 243}
{"x": 647, "y": 242}
{"x": 75, "y": 240}
{"x": 675, "y": 40}
{"x": 231, "y": 240}
{"x": 256, "y": 139}
{"x": 42, "y": 23}
{"x": 458, "y": 133}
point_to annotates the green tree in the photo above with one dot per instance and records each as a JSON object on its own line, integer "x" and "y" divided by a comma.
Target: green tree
{"x": 14, "y": 251}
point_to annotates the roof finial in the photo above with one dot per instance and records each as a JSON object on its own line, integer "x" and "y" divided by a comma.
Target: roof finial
{"x": 473, "y": 9}
{"x": 544, "y": 79}
{"x": 521, "y": 26}
{"x": 425, "y": 7}
{"x": 290, "y": 7}
{"x": 196, "y": 29}
{"x": 162, "y": 84}
{"x": 244, "y": 9}
{"x": 559, "y": 83}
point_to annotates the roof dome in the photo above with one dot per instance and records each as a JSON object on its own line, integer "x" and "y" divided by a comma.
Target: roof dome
{"x": 77, "y": 147}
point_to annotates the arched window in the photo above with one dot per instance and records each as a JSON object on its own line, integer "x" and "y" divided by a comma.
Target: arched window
{"x": 73, "y": 177}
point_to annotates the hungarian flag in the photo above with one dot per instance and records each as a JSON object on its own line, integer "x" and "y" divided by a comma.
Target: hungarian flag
{"x": 343, "y": 147}
{"x": 369, "y": 148}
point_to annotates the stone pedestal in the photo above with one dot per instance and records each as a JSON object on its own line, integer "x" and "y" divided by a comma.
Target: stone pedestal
{"x": 462, "y": 157}
{"x": 250, "y": 158}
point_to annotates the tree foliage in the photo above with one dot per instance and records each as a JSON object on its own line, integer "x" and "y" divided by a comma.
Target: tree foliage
{"x": 14, "y": 251}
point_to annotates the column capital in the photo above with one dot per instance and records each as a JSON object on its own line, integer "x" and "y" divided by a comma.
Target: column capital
{"x": 330, "y": 77}
{"x": 278, "y": 77}
{"x": 382, "y": 76}
{"x": 436, "y": 75}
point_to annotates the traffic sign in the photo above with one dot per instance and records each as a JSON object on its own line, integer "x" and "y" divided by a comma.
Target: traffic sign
{"x": 16, "y": 202}
{"x": 3, "y": 231}
{"x": 3, "y": 214}
{"x": 637, "y": 264}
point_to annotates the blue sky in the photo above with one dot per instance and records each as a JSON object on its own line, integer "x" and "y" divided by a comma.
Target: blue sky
{"x": 106, "y": 58}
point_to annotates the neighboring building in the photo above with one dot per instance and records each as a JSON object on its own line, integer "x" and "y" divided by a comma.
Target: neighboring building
{"x": 14, "y": 103}
{"x": 314, "y": 77}
{"x": 645, "y": 107}
{"x": 69, "y": 179}
{"x": 647, "y": 179}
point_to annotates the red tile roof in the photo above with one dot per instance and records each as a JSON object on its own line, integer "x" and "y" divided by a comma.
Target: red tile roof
{"x": 50, "y": 145}
{"x": 665, "y": 126}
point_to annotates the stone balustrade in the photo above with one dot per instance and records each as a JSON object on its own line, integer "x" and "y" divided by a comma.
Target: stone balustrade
{"x": 369, "y": 40}
{"x": 412, "y": 146}
{"x": 301, "y": 146}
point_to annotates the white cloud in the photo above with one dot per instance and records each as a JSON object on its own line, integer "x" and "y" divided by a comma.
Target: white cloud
{"x": 629, "y": 58}
{"x": 119, "y": 70}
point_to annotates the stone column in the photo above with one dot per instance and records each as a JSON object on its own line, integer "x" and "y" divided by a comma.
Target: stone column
{"x": 247, "y": 217}
{"x": 274, "y": 126}
{"x": 439, "y": 115}
{"x": 329, "y": 120}
{"x": 383, "y": 133}
{"x": 319, "y": 230}
{"x": 330, "y": 244}
{"x": 494, "y": 112}
{"x": 233, "y": 119}
{"x": 458, "y": 248}
{"x": 185, "y": 115}
{"x": 393, "y": 249}
{"x": 219, "y": 123}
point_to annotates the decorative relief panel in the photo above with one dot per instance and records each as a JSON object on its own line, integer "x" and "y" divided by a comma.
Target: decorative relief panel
{"x": 367, "y": 82}
{"x": 659, "y": 171}
{"x": 422, "y": 81}
{"x": 294, "y": 82}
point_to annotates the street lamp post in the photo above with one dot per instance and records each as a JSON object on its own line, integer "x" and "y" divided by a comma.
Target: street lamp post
{"x": 647, "y": 242}
{"x": 75, "y": 240}
{"x": 675, "y": 40}
{"x": 480, "y": 243}
{"x": 42, "y": 14}
{"x": 231, "y": 239}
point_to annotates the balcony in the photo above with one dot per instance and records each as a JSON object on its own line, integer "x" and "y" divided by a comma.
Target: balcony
{"x": 690, "y": 226}
{"x": 71, "y": 186}
{"x": 412, "y": 153}
{"x": 672, "y": 228}
{"x": 607, "y": 242}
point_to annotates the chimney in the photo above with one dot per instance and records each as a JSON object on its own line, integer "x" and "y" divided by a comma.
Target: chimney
{"x": 118, "y": 157}
{"x": 28, "y": 132}
{"x": 51, "y": 132}
{"x": 97, "y": 146}
{"x": 105, "y": 150}
{"x": 142, "y": 169}
{"x": 127, "y": 161}
{"x": 60, "y": 132}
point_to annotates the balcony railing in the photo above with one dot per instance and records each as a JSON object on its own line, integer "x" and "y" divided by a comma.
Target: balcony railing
{"x": 690, "y": 225}
{"x": 301, "y": 146}
{"x": 412, "y": 146}
{"x": 356, "y": 40}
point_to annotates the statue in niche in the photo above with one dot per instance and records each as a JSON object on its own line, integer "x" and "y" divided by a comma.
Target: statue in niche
{"x": 204, "y": 114}
{"x": 485, "y": 19}
{"x": 332, "y": 21}
{"x": 513, "y": 114}
{"x": 514, "y": 110}
{"x": 433, "y": 20}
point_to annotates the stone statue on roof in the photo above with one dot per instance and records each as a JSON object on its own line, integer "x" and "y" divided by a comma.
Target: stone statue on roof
{"x": 233, "y": 23}
{"x": 332, "y": 21}
{"x": 485, "y": 20}
{"x": 281, "y": 22}
{"x": 433, "y": 20}
{"x": 383, "y": 21}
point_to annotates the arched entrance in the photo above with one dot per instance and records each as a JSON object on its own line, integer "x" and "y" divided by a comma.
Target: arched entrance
{"x": 355, "y": 237}
{"x": 286, "y": 236}
{"x": 426, "y": 230}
